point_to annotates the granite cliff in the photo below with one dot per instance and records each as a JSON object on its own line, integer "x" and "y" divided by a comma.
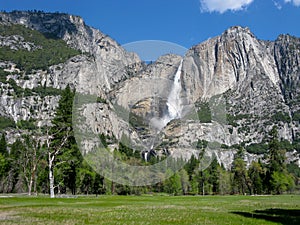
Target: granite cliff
{"x": 234, "y": 88}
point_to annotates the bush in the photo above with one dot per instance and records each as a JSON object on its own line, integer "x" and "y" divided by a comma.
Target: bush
{"x": 296, "y": 116}
{"x": 3, "y": 75}
{"x": 204, "y": 113}
{"x": 101, "y": 100}
{"x": 26, "y": 124}
{"x": 280, "y": 116}
{"x": 257, "y": 148}
{"x": 6, "y": 122}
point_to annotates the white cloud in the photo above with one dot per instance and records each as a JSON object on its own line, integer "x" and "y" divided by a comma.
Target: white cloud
{"x": 295, "y": 2}
{"x": 277, "y": 5}
{"x": 223, "y": 5}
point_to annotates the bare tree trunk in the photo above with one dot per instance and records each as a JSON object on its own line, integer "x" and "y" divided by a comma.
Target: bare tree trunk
{"x": 52, "y": 154}
{"x": 30, "y": 185}
{"x": 34, "y": 184}
{"x": 51, "y": 176}
{"x": 32, "y": 175}
{"x": 112, "y": 187}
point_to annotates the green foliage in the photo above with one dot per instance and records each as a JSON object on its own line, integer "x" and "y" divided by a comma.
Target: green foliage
{"x": 214, "y": 176}
{"x": 224, "y": 181}
{"x": 191, "y": 165}
{"x": 240, "y": 177}
{"x": 3, "y": 165}
{"x": 263, "y": 147}
{"x": 286, "y": 145}
{"x": 244, "y": 129}
{"x": 101, "y": 100}
{"x": 6, "y": 122}
{"x": 232, "y": 119}
{"x": 173, "y": 185}
{"x": 41, "y": 91}
{"x": 294, "y": 169}
{"x": 86, "y": 179}
{"x": 277, "y": 175}
{"x": 256, "y": 175}
{"x": 128, "y": 152}
{"x": 63, "y": 117}
{"x": 280, "y": 116}
{"x": 204, "y": 113}
{"x": 69, "y": 157}
{"x": 27, "y": 124}
{"x": 281, "y": 181}
{"x": 3, "y": 145}
{"x": 201, "y": 144}
{"x": 296, "y": 116}
{"x": 276, "y": 154}
{"x": 257, "y": 148}
{"x": 52, "y": 51}
{"x": 103, "y": 140}
{"x": 136, "y": 121}
{"x": 3, "y": 75}
{"x": 46, "y": 91}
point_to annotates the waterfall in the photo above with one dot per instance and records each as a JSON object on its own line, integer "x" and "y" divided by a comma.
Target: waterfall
{"x": 174, "y": 100}
{"x": 174, "y": 109}
{"x": 174, "y": 104}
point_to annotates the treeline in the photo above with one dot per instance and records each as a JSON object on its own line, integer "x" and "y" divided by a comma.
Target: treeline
{"x": 47, "y": 160}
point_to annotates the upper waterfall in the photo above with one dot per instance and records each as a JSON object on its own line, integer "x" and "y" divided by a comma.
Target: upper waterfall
{"x": 174, "y": 102}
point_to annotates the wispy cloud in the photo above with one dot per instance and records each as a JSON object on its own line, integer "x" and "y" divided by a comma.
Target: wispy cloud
{"x": 222, "y": 6}
{"x": 295, "y": 2}
{"x": 277, "y": 5}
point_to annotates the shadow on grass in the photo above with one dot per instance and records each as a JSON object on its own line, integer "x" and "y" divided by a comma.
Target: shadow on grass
{"x": 283, "y": 216}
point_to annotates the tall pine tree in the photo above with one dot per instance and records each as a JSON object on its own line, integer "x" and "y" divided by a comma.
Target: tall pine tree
{"x": 3, "y": 145}
{"x": 278, "y": 178}
{"x": 63, "y": 153}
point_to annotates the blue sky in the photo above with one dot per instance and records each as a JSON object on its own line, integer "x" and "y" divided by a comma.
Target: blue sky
{"x": 184, "y": 22}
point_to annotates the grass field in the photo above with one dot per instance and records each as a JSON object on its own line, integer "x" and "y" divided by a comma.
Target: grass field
{"x": 256, "y": 210}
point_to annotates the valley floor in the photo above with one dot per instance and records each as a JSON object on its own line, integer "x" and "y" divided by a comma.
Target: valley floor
{"x": 283, "y": 209}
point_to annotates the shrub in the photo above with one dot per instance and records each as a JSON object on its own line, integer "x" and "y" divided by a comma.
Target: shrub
{"x": 6, "y": 122}
{"x": 204, "y": 113}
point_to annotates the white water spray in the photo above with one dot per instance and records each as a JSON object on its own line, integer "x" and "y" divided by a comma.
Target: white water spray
{"x": 174, "y": 100}
{"x": 174, "y": 103}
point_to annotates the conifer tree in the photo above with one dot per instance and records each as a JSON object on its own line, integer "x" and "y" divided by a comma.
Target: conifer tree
{"x": 240, "y": 179}
{"x": 61, "y": 145}
{"x": 278, "y": 178}
{"x": 3, "y": 145}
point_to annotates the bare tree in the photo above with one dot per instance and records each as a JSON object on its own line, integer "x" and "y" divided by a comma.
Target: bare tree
{"x": 30, "y": 156}
{"x": 53, "y": 151}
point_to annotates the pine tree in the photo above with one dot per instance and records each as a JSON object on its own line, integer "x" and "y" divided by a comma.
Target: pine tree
{"x": 3, "y": 166}
{"x": 240, "y": 178}
{"x": 61, "y": 145}
{"x": 278, "y": 178}
{"x": 3, "y": 145}
{"x": 256, "y": 176}
{"x": 214, "y": 175}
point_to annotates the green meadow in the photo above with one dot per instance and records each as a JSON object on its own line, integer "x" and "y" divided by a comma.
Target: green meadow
{"x": 282, "y": 209}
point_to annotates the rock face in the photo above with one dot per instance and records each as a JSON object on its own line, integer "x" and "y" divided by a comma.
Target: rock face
{"x": 258, "y": 78}
{"x": 249, "y": 85}
{"x": 228, "y": 61}
{"x": 107, "y": 64}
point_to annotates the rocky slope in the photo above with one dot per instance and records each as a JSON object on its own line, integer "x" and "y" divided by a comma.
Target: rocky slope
{"x": 243, "y": 86}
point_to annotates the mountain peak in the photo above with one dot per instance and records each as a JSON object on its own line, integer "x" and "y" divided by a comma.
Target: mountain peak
{"x": 236, "y": 32}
